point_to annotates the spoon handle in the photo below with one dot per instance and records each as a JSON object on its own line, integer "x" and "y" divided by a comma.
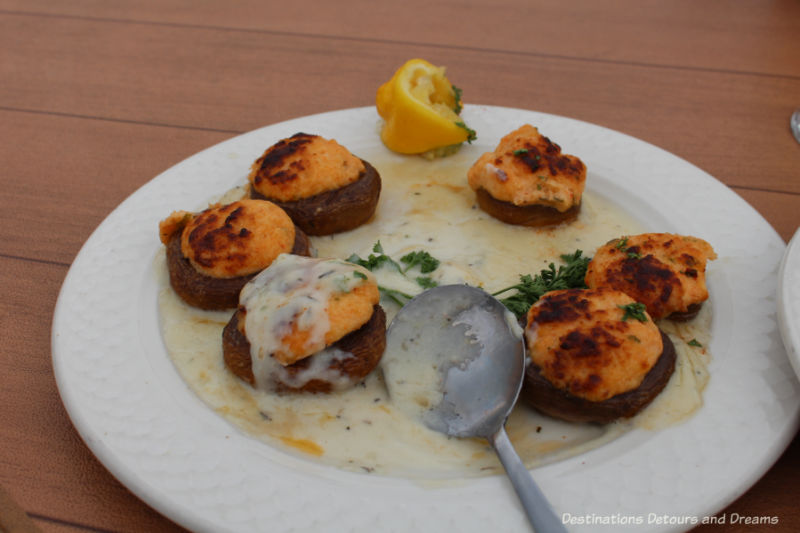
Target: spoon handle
{"x": 538, "y": 509}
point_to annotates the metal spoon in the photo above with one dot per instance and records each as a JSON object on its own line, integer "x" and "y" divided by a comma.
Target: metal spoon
{"x": 468, "y": 349}
{"x": 794, "y": 122}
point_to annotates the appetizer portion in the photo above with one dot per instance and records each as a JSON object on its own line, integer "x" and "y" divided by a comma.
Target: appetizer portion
{"x": 322, "y": 186}
{"x": 212, "y": 254}
{"x": 595, "y": 356}
{"x": 528, "y": 181}
{"x": 306, "y": 325}
{"x": 665, "y": 272}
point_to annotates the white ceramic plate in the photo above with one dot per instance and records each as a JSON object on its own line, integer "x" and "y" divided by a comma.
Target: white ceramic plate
{"x": 789, "y": 300}
{"x": 144, "y": 424}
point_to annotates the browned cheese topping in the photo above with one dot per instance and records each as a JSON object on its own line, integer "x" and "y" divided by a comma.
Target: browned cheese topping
{"x": 527, "y": 168}
{"x": 665, "y": 272}
{"x": 226, "y": 241}
{"x": 303, "y": 166}
{"x": 585, "y": 344}
{"x": 174, "y": 223}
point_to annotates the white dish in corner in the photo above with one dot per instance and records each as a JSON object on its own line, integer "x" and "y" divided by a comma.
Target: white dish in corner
{"x": 789, "y": 300}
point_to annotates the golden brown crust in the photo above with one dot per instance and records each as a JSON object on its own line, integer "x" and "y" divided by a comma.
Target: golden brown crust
{"x": 236, "y": 239}
{"x": 302, "y": 166}
{"x": 525, "y": 215}
{"x": 555, "y": 402}
{"x": 336, "y": 210}
{"x": 174, "y": 223}
{"x": 528, "y": 169}
{"x": 591, "y": 342}
{"x": 366, "y": 344}
{"x": 207, "y": 292}
{"x": 665, "y": 272}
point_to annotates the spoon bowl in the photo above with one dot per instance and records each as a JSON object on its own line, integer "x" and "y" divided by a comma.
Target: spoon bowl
{"x": 455, "y": 359}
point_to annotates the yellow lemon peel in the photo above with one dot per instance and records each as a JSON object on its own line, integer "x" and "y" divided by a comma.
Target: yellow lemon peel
{"x": 420, "y": 109}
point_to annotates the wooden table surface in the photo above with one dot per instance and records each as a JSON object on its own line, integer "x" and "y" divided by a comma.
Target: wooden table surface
{"x": 96, "y": 98}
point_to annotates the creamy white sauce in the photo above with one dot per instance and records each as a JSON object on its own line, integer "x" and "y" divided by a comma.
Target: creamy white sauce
{"x": 684, "y": 393}
{"x": 294, "y": 293}
{"x": 288, "y": 292}
{"x": 425, "y": 205}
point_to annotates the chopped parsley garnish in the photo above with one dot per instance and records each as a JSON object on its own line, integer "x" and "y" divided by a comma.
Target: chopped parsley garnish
{"x": 631, "y": 251}
{"x": 342, "y": 284}
{"x": 471, "y": 134}
{"x": 427, "y": 263}
{"x": 398, "y": 297}
{"x": 358, "y": 274}
{"x": 375, "y": 260}
{"x": 695, "y": 343}
{"x": 426, "y": 282}
{"x": 521, "y": 151}
{"x": 635, "y": 311}
{"x": 540, "y": 185}
{"x": 378, "y": 259}
{"x": 458, "y": 106}
{"x": 570, "y": 275}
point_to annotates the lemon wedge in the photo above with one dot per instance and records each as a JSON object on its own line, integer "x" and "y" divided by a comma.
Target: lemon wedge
{"x": 420, "y": 109}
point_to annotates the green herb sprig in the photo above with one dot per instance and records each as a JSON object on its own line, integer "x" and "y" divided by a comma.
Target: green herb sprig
{"x": 570, "y": 275}
{"x": 459, "y": 105}
{"x": 635, "y": 311}
{"x": 426, "y": 262}
{"x": 420, "y": 258}
{"x": 375, "y": 260}
{"x": 471, "y": 134}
